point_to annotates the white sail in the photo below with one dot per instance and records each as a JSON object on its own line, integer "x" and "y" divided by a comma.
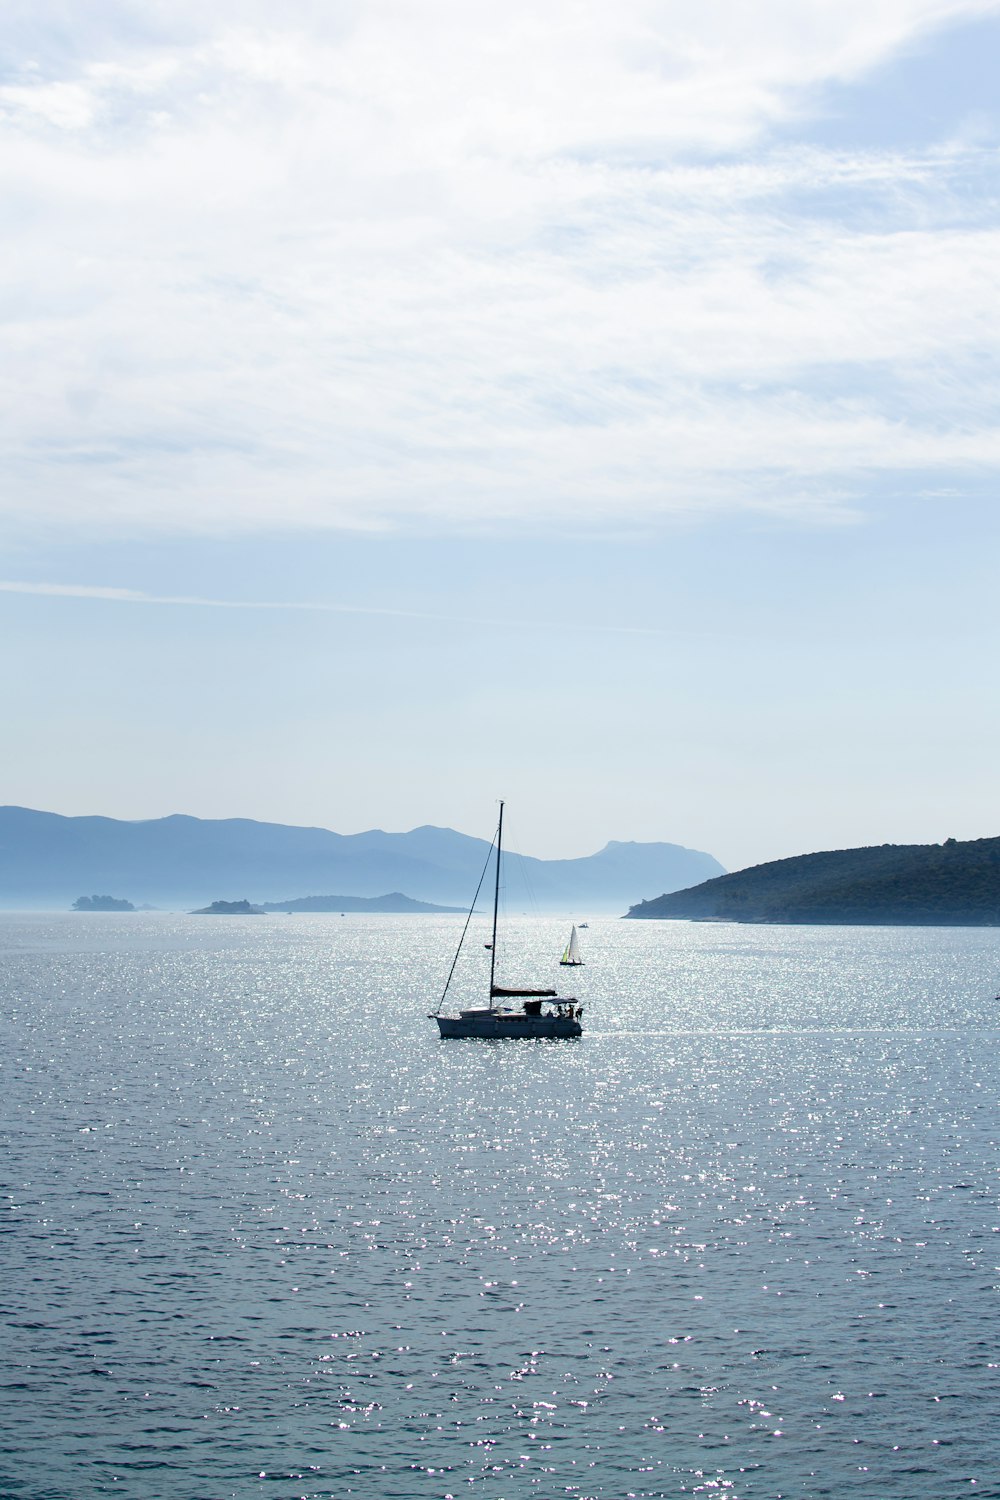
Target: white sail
{"x": 571, "y": 952}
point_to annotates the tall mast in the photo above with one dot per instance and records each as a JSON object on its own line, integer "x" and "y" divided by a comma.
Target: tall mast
{"x": 496, "y": 906}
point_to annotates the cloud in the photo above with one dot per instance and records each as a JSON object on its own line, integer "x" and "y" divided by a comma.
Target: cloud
{"x": 400, "y": 266}
{"x": 103, "y": 594}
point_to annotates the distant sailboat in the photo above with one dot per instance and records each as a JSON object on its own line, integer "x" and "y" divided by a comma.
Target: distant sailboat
{"x": 571, "y": 952}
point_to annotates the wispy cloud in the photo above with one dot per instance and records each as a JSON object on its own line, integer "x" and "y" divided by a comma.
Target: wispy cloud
{"x": 408, "y": 266}
{"x": 103, "y": 594}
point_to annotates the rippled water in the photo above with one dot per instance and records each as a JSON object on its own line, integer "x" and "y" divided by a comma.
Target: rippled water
{"x": 265, "y": 1235}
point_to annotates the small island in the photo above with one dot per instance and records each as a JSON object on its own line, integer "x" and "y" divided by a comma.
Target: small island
{"x": 101, "y": 903}
{"x": 228, "y": 909}
{"x": 395, "y": 903}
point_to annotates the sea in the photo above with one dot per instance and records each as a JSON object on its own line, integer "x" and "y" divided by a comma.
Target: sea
{"x": 264, "y": 1234}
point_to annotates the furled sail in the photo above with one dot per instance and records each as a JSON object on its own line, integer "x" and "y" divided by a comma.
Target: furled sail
{"x": 500, "y": 989}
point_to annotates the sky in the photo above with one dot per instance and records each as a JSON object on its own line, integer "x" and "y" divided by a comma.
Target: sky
{"x": 591, "y": 405}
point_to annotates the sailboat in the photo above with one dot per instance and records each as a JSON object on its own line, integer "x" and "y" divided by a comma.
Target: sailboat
{"x": 571, "y": 952}
{"x": 542, "y": 1012}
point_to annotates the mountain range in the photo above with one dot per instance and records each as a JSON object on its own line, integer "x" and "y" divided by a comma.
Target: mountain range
{"x": 951, "y": 884}
{"x": 47, "y": 860}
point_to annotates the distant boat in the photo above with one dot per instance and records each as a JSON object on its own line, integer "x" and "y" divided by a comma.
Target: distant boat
{"x": 499, "y": 1019}
{"x": 571, "y": 953}
{"x": 584, "y": 926}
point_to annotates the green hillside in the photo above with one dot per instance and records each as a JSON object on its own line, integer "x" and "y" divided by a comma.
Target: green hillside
{"x": 950, "y": 884}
